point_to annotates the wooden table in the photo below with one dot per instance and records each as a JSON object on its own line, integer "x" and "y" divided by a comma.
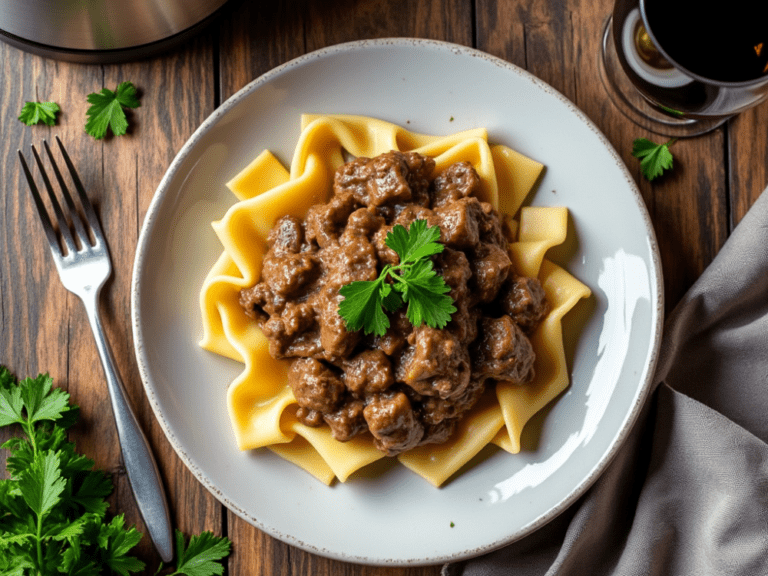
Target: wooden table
{"x": 43, "y": 327}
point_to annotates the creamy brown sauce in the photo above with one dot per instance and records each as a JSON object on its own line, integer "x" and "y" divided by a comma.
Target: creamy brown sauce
{"x": 410, "y": 386}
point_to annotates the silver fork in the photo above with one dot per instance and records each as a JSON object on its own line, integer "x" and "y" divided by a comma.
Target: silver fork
{"x": 84, "y": 267}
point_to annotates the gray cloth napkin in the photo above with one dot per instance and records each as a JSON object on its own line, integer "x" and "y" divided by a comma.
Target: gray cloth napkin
{"x": 687, "y": 495}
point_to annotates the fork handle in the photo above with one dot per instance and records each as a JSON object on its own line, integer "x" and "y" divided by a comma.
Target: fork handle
{"x": 140, "y": 465}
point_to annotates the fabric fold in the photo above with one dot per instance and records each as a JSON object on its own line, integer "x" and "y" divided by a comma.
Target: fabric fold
{"x": 687, "y": 494}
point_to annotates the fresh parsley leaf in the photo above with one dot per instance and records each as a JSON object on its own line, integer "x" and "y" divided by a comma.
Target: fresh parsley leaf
{"x": 415, "y": 282}
{"x": 361, "y": 307}
{"x": 416, "y": 243}
{"x": 41, "y": 401}
{"x": 107, "y": 110}
{"x": 35, "y": 112}
{"x": 52, "y": 508}
{"x": 654, "y": 158}
{"x": 90, "y": 494}
{"x": 115, "y": 542}
{"x": 200, "y": 557}
{"x": 7, "y": 381}
{"x": 392, "y": 299}
{"x": 41, "y": 484}
{"x": 11, "y": 406}
{"x": 426, "y": 295}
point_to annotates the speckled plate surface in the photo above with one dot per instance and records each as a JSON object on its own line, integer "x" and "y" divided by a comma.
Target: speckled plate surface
{"x": 388, "y": 515}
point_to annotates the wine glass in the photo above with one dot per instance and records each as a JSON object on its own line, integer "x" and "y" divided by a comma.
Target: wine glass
{"x": 679, "y": 68}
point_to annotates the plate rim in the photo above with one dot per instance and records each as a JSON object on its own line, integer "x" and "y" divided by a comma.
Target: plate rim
{"x": 630, "y": 418}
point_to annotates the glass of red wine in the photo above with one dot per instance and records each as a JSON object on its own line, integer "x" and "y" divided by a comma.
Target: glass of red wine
{"x": 683, "y": 67}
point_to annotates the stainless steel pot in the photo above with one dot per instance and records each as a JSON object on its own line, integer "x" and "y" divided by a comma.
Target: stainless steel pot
{"x": 102, "y": 30}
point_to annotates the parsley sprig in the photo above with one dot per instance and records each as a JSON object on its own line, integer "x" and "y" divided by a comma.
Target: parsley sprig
{"x": 654, "y": 158}
{"x": 107, "y": 110}
{"x": 52, "y": 508}
{"x": 36, "y": 112}
{"x": 413, "y": 281}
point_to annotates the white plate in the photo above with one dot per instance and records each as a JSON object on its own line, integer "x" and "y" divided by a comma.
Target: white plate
{"x": 389, "y": 515}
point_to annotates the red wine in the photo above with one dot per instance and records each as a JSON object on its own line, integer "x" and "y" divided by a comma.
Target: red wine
{"x": 720, "y": 41}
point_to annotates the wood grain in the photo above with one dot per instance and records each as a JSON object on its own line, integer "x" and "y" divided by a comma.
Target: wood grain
{"x": 748, "y": 159}
{"x": 43, "y": 328}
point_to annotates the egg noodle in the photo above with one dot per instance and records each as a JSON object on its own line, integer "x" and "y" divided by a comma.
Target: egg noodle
{"x": 261, "y": 405}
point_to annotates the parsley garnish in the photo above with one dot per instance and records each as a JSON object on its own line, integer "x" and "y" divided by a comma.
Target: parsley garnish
{"x": 106, "y": 110}
{"x": 655, "y": 158}
{"x": 414, "y": 281}
{"x": 200, "y": 557}
{"x": 35, "y": 112}
{"x": 52, "y": 508}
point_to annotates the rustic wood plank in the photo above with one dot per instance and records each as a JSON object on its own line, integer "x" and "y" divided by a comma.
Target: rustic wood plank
{"x": 34, "y": 310}
{"x": 42, "y": 326}
{"x": 748, "y": 158}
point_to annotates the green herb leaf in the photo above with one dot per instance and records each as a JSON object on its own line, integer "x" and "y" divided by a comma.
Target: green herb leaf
{"x": 116, "y": 541}
{"x": 7, "y": 380}
{"x": 200, "y": 557}
{"x": 416, "y": 282}
{"x": 426, "y": 295}
{"x": 416, "y": 243}
{"x": 361, "y": 307}
{"x": 41, "y": 484}
{"x": 106, "y": 110}
{"x": 52, "y": 508}
{"x": 655, "y": 158}
{"x": 35, "y": 112}
{"x": 11, "y": 406}
{"x": 90, "y": 495}
{"x": 392, "y": 299}
{"x": 41, "y": 401}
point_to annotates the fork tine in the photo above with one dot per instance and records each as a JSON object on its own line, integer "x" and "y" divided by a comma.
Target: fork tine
{"x": 41, "y": 211}
{"x": 76, "y": 221}
{"x": 63, "y": 226}
{"x": 90, "y": 213}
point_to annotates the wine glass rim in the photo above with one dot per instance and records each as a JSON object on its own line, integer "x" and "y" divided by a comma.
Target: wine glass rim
{"x": 723, "y": 83}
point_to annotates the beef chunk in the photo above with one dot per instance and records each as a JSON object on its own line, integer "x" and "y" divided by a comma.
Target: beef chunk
{"x": 454, "y": 267}
{"x": 294, "y": 332}
{"x": 436, "y": 364}
{"x": 389, "y": 181}
{"x": 412, "y": 212}
{"x": 458, "y": 222}
{"x": 324, "y": 222}
{"x": 491, "y": 266}
{"x": 315, "y": 385}
{"x": 348, "y": 421}
{"x": 286, "y": 237}
{"x": 336, "y": 340}
{"x": 362, "y": 222}
{"x": 393, "y": 423}
{"x": 354, "y": 258}
{"x": 351, "y": 179}
{"x": 259, "y": 302}
{"x": 287, "y": 276}
{"x": 525, "y": 301}
{"x": 396, "y": 336}
{"x": 311, "y": 418}
{"x": 457, "y": 181}
{"x": 438, "y": 433}
{"x": 370, "y": 372}
{"x": 420, "y": 170}
{"x": 502, "y": 352}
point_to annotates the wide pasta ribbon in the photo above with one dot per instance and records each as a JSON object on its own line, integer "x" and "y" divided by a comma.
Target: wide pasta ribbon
{"x": 261, "y": 405}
